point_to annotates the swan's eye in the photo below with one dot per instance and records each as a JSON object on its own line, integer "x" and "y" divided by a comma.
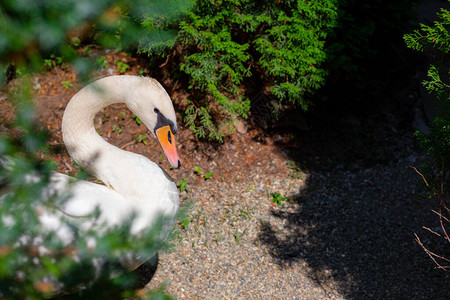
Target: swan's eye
{"x": 169, "y": 137}
{"x": 156, "y": 110}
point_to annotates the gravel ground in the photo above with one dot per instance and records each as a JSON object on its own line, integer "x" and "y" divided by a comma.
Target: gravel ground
{"x": 342, "y": 233}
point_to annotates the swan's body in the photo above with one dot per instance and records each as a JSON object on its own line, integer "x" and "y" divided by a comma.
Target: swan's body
{"x": 134, "y": 184}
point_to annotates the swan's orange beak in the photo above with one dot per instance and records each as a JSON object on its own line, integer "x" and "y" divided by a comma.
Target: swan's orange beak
{"x": 167, "y": 141}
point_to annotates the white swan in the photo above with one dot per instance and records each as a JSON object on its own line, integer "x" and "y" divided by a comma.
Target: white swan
{"x": 134, "y": 184}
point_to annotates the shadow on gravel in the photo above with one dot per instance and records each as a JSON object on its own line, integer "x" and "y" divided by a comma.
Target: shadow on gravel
{"x": 356, "y": 228}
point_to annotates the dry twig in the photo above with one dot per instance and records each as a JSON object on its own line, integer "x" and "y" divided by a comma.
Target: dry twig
{"x": 432, "y": 255}
{"x": 424, "y": 180}
{"x": 430, "y": 230}
{"x": 442, "y": 218}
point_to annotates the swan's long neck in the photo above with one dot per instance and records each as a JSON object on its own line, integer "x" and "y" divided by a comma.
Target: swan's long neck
{"x": 82, "y": 141}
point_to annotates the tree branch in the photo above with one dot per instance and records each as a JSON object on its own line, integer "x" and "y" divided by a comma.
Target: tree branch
{"x": 433, "y": 255}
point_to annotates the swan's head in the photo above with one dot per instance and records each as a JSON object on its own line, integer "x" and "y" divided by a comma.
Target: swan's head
{"x": 152, "y": 105}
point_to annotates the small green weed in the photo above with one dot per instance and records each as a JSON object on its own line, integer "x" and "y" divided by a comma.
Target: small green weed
{"x": 142, "y": 139}
{"x": 122, "y": 66}
{"x": 48, "y": 63}
{"x": 102, "y": 62}
{"x": 182, "y": 184}
{"x": 67, "y": 84}
{"x": 277, "y": 198}
{"x": 117, "y": 129}
{"x": 185, "y": 222}
{"x": 53, "y": 61}
{"x": 199, "y": 172}
{"x": 138, "y": 121}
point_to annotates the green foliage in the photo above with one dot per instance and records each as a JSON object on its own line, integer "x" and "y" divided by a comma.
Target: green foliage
{"x": 186, "y": 221}
{"x": 136, "y": 119}
{"x": 436, "y": 39}
{"x": 437, "y": 146}
{"x": 160, "y": 26}
{"x": 67, "y": 84}
{"x": 436, "y": 85}
{"x": 197, "y": 170}
{"x": 228, "y": 42}
{"x": 53, "y": 61}
{"x": 102, "y": 62}
{"x": 437, "y": 143}
{"x": 199, "y": 120}
{"x": 117, "y": 129}
{"x": 292, "y": 50}
{"x": 142, "y": 138}
{"x": 31, "y": 30}
{"x": 434, "y": 36}
{"x": 183, "y": 184}
{"x": 122, "y": 66}
{"x": 277, "y": 198}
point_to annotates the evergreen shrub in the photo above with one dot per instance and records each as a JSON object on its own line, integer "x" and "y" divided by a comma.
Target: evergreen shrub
{"x": 435, "y": 39}
{"x": 227, "y": 42}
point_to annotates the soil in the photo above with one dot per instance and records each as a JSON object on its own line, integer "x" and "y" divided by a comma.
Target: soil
{"x": 288, "y": 214}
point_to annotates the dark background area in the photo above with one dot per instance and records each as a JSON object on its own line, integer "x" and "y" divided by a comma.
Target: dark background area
{"x": 362, "y": 204}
